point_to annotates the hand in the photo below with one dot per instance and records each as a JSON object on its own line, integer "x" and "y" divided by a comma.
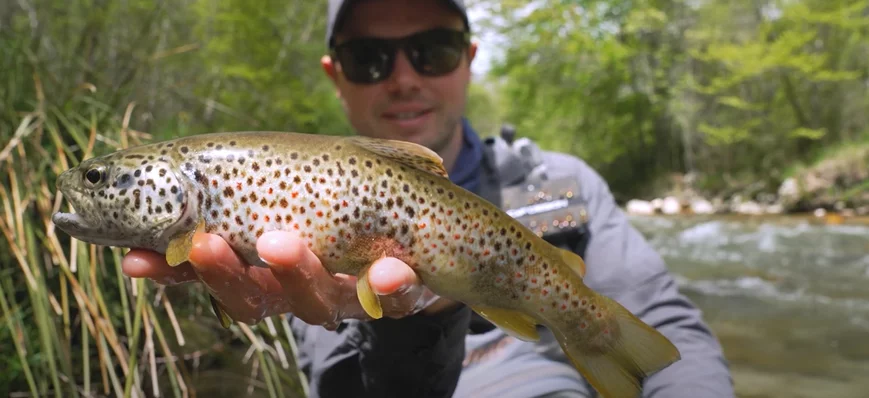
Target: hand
{"x": 296, "y": 281}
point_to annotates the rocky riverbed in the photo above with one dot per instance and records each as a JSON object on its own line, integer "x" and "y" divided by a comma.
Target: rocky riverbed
{"x": 838, "y": 185}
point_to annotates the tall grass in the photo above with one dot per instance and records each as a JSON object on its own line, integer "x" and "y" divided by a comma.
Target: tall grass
{"x": 71, "y": 324}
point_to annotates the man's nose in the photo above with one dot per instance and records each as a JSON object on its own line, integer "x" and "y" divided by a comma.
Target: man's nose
{"x": 404, "y": 77}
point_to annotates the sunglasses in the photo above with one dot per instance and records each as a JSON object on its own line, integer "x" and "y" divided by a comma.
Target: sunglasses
{"x": 370, "y": 60}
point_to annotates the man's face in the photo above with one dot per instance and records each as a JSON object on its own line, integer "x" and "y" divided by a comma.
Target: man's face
{"x": 406, "y": 106}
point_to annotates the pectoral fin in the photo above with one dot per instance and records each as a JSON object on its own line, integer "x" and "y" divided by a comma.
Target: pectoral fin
{"x": 515, "y": 323}
{"x": 222, "y": 316}
{"x": 370, "y": 302}
{"x": 180, "y": 247}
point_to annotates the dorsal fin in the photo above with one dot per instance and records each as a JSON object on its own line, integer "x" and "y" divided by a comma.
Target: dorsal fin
{"x": 574, "y": 261}
{"x": 406, "y": 153}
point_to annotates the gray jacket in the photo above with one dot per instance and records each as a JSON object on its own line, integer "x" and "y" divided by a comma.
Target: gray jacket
{"x": 438, "y": 356}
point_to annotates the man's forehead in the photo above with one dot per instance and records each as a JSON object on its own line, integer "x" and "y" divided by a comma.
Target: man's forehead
{"x": 396, "y": 17}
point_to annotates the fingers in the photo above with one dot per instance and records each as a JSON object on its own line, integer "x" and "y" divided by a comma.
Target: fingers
{"x": 397, "y": 285}
{"x": 315, "y": 295}
{"x": 248, "y": 294}
{"x": 148, "y": 264}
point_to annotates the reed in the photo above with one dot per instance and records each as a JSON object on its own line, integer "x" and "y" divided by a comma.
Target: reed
{"x": 71, "y": 324}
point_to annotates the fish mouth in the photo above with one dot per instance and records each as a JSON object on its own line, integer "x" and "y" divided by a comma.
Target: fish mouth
{"x": 69, "y": 222}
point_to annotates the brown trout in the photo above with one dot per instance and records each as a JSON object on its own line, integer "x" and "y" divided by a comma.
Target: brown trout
{"x": 355, "y": 200}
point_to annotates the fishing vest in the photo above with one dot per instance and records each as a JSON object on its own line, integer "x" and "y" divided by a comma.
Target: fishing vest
{"x": 515, "y": 178}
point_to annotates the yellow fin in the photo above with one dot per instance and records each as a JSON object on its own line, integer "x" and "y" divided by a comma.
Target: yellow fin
{"x": 406, "y": 153}
{"x": 621, "y": 362}
{"x": 370, "y": 302}
{"x": 222, "y": 316}
{"x": 574, "y": 261}
{"x": 513, "y": 322}
{"x": 180, "y": 247}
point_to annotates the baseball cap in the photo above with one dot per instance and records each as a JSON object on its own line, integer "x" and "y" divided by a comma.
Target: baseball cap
{"x": 338, "y": 10}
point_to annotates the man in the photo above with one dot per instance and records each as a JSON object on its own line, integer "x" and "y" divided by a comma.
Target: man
{"x": 428, "y": 346}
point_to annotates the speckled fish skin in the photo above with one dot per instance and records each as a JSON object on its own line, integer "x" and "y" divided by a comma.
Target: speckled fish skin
{"x": 354, "y": 200}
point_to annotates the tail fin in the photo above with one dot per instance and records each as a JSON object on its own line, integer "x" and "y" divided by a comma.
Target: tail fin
{"x": 618, "y": 367}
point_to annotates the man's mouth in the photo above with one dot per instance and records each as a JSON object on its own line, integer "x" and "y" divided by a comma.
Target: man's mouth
{"x": 408, "y": 118}
{"x": 406, "y": 115}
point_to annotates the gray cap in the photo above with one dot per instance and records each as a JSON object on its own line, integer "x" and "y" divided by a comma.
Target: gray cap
{"x": 338, "y": 10}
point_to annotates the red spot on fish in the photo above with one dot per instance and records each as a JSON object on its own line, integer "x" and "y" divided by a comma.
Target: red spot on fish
{"x": 270, "y": 190}
{"x": 452, "y": 263}
{"x": 267, "y": 218}
{"x": 457, "y": 237}
{"x": 255, "y": 216}
{"x": 296, "y": 225}
{"x": 518, "y": 274}
{"x": 344, "y": 203}
{"x": 583, "y": 325}
{"x": 434, "y": 245}
{"x": 606, "y": 331}
{"x": 449, "y": 212}
{"x": 395, "y": 215}
{"x": 319, "y": 213}
{"x": 365, "y": 188}
{"x": 433, "y": 269}
{"x": 533, "y": 280}
{"x": 527, "y": 297}
{"x": 238, "y": 186}
{"x": 545, "y": 292}
{"x": 486, "y": 252}
{"x": 542, "y": 309}
{"x": 333, "y": 239}
{"x": 476, "y": 225}
{"x": 564, "y": 306}
{"x": 367, "y": 226}
{"x": 295, "y": 195}
{"x": 599, "y": 315}
{"x": 421, "y": 226}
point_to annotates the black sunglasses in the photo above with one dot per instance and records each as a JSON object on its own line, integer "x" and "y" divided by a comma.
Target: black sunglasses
{"x": 370, "y": 60}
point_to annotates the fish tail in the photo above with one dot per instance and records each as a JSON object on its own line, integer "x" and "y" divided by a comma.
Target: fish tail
{"x": 616, "y": 353}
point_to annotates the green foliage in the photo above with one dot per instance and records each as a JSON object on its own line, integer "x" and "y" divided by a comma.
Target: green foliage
{"x": 648, "y": 87}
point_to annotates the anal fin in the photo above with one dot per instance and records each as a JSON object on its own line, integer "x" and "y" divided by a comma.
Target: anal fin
{"x": 515, "y": 323}
{"x": 370, "y": 302}
{"x": 180, "y": 247}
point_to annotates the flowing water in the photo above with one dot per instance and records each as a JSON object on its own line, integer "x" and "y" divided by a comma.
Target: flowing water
{"x": 787, "y": 296}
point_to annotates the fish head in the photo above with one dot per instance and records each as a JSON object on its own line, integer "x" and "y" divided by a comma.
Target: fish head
{"x": 129, "y": 199}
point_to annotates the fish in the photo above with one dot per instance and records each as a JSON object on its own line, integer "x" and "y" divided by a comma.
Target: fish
{"x": 353, "y": 200}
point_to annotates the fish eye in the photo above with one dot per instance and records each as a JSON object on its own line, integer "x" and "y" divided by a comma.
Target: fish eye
{"x": 95, "y": 175}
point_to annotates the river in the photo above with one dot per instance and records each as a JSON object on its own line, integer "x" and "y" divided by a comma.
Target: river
{"x": 787, "y": 296}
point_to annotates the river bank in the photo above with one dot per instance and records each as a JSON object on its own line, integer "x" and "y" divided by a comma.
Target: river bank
{"x": 837, "y": 186}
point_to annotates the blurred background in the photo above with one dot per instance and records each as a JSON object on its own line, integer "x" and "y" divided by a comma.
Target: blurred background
{"x": 735, "y": 133}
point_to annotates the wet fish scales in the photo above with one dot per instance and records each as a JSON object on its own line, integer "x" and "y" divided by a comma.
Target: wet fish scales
{"x": 355, "y": 200}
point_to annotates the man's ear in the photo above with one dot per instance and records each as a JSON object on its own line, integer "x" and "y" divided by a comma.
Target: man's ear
{"x": 329, "y": 67}
{"x": 332, "y": 71}
{"x": 472, "y": 52}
